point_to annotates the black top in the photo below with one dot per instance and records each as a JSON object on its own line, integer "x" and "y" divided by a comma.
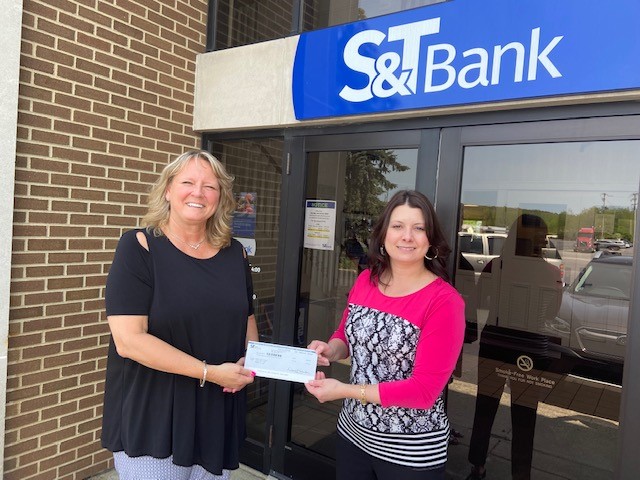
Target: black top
{"x": 199, "y": 306}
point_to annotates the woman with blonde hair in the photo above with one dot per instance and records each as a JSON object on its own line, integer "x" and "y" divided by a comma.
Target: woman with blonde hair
{"x": 179, "y": 307}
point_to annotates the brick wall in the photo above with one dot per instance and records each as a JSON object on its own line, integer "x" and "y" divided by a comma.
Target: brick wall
{"x": 106, "y": 95}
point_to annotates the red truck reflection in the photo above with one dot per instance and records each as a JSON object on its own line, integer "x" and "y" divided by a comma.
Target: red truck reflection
{"x": 585, "y": 241}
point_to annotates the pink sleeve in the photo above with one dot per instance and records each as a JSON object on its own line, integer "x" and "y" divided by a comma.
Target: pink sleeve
{"x": 438, "y": 349}
{"x": 339, "y": 333}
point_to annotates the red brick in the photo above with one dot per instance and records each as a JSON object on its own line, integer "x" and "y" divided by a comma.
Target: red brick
{"x": 52, "y": 83}
{"x": 93, "y": 94}
{"x": 76, "y": 23}
{"x": 54, "y": 55}
{"x": 70, "y": 154}
{"x": 60, "y": 360}
{"x": 73, "y": 101}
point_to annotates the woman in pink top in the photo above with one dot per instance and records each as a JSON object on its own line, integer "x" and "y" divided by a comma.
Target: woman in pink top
{"x": 403, "y": 329}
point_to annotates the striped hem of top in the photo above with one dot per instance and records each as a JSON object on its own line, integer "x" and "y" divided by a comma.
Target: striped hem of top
{"x": 422, "y": 450}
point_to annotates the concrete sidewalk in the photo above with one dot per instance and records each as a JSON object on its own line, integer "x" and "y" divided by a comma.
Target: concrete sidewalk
{"x": 243, "y": 473}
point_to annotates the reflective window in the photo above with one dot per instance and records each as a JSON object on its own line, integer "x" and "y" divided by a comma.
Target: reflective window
{"x": 470, "y": 243}
{"x": 547, "y": 306}
{"x": 242, "y": 22}
{"x": 360, "y": 182}
{"x": 256, "y": 166}
{"x": 495, "y": 245}
{"x": 327, "y": 13}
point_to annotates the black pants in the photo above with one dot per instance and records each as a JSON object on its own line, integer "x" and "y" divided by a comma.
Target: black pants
{"x": 354, "y": 464}
{"x": 523, "y": 425}
{"x": 524, "y": 405}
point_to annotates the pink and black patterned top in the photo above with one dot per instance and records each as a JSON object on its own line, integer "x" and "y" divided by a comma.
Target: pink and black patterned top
{"x": 409, "y": 346}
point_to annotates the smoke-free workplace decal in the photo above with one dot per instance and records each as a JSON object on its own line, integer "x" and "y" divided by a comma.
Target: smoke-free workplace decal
{"x": 467, "y": 51}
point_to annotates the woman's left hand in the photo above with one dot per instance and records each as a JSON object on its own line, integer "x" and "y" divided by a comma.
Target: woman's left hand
{"x": 325, "y": 389}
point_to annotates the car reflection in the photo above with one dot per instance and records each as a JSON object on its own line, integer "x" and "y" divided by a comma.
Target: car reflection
{"x": 594, "y": 310}
{"x": 611, "y": 244}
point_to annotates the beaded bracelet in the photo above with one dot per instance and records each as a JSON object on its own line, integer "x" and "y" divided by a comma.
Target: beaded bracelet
{"x": 204, "y": 373}
{"x": 363, "y": 394}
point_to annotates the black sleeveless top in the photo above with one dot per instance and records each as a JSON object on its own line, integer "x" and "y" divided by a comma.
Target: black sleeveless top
{"x": 200, "y": 307}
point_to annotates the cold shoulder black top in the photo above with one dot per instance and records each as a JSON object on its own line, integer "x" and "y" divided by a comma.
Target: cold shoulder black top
{"x": 199, "y": 306}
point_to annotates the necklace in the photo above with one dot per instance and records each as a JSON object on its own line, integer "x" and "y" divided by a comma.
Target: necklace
{"x": 195, "y": 246}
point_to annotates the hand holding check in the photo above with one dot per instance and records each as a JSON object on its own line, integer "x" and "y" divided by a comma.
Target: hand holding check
{"x": 281, "y": 362}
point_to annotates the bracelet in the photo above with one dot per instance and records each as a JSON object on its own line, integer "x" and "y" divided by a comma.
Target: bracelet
{"x": 204, "y": 373}
{"x": 363, "y": 394}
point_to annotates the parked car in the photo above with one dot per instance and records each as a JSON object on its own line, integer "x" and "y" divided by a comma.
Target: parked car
{"x": 592, "y": 319}
{"x": 610, "y": 244}
{"x": 478, "y": 249}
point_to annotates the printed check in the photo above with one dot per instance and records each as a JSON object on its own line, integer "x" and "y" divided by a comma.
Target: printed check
{"x": 281, "y": 362}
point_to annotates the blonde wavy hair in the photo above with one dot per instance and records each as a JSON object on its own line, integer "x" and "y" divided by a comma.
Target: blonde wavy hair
{"x": 218, "y": 227}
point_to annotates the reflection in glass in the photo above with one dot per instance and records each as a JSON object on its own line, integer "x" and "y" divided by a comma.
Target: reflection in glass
{"x": 242, "y": 22}
{"x": 360, "y": 182}
{"x": 255, "y": 164}
{"x": 524, "y": 295}
{"x": 327, "y": 13}
{"x": 595, "y": 307}
{"x": 549, "y": 307}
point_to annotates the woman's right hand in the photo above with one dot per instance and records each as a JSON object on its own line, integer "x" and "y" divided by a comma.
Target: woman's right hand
{"x": 230, "y": 376}
{"x": 324, "y": 350}
{"x": 325, "y": 389}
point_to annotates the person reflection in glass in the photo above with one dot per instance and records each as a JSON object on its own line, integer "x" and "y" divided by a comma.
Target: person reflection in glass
{"x": 355, "y": 251}
{"x": 523, "y": 291}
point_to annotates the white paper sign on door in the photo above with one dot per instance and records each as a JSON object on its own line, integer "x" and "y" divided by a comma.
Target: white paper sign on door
{"x": 319, "y": 224}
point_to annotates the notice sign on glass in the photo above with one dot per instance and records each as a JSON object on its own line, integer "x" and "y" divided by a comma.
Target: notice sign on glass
{"x": 319, "y": 224}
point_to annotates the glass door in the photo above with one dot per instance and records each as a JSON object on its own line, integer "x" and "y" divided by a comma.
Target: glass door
{"x": 542, "y": 218}
{"x": 256, "y": 165}
{"x": 545, "y": 241}
{"x": 345, "y": 191}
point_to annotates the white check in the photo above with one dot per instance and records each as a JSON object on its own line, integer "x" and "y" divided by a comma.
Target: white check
{"x": 281, "y": 362}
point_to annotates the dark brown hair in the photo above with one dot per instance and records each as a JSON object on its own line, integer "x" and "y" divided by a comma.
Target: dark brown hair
{"x": 379, "y": 263}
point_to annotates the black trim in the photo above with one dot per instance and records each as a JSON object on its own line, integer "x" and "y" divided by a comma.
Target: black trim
{"x": 524, "y": 115}
{"x": 212, "y": 18}
{"x": 287, "y": 287}
{"x": 297, "y": 17}
{"x": 628, "y": 461}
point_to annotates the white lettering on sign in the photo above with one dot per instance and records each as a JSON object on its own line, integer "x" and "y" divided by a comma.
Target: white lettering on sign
{"x": 482, "y": 68}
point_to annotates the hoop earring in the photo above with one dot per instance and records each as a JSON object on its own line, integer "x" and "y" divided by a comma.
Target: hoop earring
{"x": 382, "y": 252}
{"x": 426, "y": 255}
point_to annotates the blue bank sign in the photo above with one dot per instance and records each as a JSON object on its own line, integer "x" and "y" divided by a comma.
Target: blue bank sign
{"x": 468, "y": 51}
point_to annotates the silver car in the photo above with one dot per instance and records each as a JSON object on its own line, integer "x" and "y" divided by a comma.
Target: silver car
{"x": 610, "y": 244}
{"x": 592, "y": 319}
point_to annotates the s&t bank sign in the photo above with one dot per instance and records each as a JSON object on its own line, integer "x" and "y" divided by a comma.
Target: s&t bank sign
{"x": 468, "y": 51}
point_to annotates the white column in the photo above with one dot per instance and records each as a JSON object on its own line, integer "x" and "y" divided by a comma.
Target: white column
{"x": 10, "y": 35}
